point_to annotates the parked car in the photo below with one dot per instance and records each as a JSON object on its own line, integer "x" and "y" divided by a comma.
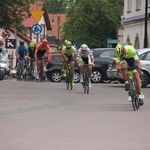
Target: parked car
{"x": 101, "y": 56}
{"x": 54, "y": 68}
{"x": 144, "y": 55}
{"x": 99, "y": 73}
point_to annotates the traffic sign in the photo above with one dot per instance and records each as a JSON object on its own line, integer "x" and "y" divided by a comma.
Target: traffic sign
{"x": 36, "y": 29}
{"x": 37, "y": 14}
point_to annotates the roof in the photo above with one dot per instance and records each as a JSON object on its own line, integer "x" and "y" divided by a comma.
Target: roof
{"x": 54, "y": 23}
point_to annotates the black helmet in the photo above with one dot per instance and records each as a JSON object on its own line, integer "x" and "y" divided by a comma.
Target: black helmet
{"x": 21, "y": 43}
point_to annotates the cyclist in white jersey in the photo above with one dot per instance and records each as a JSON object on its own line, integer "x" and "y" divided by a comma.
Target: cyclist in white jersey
{"x": 85, "y": 56}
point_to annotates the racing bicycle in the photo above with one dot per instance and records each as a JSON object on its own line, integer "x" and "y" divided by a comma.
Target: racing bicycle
{"x": 132, "y": 88}
{"x": 85, "y": 82}
{"x": 69, "y": 77}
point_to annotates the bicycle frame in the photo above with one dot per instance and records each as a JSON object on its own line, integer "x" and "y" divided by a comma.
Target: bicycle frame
{"x": 68, "y": 78}
{"x": 132, "y": 90}
{"x": 85, "y": 79}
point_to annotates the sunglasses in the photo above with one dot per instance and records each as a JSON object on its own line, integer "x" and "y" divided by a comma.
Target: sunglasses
{"x": 68, "y": 47}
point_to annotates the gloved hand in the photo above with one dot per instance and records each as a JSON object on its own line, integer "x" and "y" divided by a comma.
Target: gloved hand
{"x": 92, "y": 64}
{"x": 80, "y": 64}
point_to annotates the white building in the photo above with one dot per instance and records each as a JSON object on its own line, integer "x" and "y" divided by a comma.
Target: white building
{"x": 133, "y": 23}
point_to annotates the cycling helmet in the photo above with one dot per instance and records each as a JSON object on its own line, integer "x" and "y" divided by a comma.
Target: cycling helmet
{"x": 31, "y": 44}
{"x": 119, "y": 49}
{"x": 21, "y": 43}
{"x": 84, "y": 47}
{"x": 68, "y": 44}
{"x": 44, "y": 41}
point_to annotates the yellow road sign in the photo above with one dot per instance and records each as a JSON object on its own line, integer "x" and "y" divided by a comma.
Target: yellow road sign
{"x": 37, "y": 14}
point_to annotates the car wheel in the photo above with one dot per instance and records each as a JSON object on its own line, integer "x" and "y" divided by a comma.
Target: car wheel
{"x": 145, "y": 79}
{"x": 106, "y": 81}
{"x": 76, "y": 77}
{"x": 96, "y": 76}
{"x": 55, "y": 76}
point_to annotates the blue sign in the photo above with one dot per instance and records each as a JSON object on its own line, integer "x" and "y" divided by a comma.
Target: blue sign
{"x": 36, "y": 29}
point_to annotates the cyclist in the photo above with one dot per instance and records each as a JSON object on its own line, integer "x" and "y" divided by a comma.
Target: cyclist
{"x": 32, "y": 47}
{"x": 22, "y": 53}
{"x": 85, "y": 56}
{"x": 126, "y": 56}
{"x": 42, "y": 50}
{"x": 68, "y": 55}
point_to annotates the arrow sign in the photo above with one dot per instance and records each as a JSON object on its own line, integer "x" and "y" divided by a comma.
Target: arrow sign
{"x": 37, "y": 14}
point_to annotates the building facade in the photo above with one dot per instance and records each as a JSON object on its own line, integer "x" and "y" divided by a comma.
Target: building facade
{"x": 133, "y": 23}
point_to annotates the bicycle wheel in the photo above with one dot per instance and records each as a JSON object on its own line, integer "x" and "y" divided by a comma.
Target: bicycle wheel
{"x": 18, "y": 72}
{"x": 67, "y": 79}
{"x": 84, "y": 84}
{"x": 70, "y": 79}
{"x": 137, "y": 102}
{"x": 67, "y": 82}
{"x": 132, "y": 93}
{"x": 87, "y": 85}
{"x": 133, "y": 102}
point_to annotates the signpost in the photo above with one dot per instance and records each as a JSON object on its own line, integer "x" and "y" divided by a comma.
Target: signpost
{"x": 36, "y": 28}
{"x": 37, "y": 14}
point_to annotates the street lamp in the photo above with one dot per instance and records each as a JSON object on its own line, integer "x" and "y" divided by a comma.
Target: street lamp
{"x": 145, "y": 32}
{"x": 58, "y": 28}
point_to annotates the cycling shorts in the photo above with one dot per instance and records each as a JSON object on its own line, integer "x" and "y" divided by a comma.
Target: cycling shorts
{"x": 130, "y": 62}
{"x": 40, "y": 54}
{"x": 70, "y": 58}
{"x": 85, "y": 60}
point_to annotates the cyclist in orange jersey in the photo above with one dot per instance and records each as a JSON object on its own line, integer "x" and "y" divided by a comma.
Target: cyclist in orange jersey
{"x": 42, "y": 50}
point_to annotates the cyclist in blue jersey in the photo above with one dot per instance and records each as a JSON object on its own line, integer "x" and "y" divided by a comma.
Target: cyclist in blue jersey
{"x": 22, "y": 53}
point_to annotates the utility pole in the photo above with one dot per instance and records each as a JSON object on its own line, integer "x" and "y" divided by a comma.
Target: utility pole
{"x": 145, "y": 31}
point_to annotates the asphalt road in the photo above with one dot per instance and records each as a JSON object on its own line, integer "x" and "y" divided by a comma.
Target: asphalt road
{"x": 47, "y": 116}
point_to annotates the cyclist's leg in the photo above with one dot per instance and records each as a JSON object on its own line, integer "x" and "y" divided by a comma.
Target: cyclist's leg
{"x": 45, "y": 55}
{"x": 71, "y": 59}
{"x": 39, "y": 55}
{"x": 89, "y": 71}
{"x": 124, "y": 73}
{"x": 64, "y": 60}
{"x": 138, "y": 86}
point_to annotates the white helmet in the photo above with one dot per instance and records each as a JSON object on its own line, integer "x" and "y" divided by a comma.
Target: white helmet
{"x": 84, "y": 47}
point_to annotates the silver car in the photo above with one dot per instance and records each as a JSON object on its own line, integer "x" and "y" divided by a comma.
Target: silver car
{"x": 144, "y": 55}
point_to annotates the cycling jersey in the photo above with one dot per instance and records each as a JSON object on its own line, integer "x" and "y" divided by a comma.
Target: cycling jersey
{"x": 22, "y": 51}
{"x": 85, "y": 56}
{"x": 69, "y": 52}
{"x": 31, "y": 53}
{"x": 130, "y": 53}
{"x": 40, "y": 47}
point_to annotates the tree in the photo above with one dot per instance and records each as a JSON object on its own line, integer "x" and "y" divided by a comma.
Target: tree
{"x": 55, "y": 6}
{"x": 13, "y": 12}
{"x": 92, "y": 21}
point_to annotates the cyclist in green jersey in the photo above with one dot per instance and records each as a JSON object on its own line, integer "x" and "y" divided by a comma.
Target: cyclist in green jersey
{"x": 68, "y": 55}
{"x": 126, "y": 55}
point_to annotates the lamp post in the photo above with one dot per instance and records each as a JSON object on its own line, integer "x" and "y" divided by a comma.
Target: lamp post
{"x": 145, "y": 31}
{"x": 58, "y": 28}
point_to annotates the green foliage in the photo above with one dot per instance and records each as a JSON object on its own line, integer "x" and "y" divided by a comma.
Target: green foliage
{"x": 92, "y": 21}
{"x": 13, "y": 12}
{"x": 55, "y": 6}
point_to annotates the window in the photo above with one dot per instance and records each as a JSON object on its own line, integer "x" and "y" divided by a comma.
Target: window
{"x": 148, "y": 3}
{"x": 129, "y": 6}
{"x": 138, "y": 4}
{"x": 107, "y": 54}
{"x": 147, "y": 56}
